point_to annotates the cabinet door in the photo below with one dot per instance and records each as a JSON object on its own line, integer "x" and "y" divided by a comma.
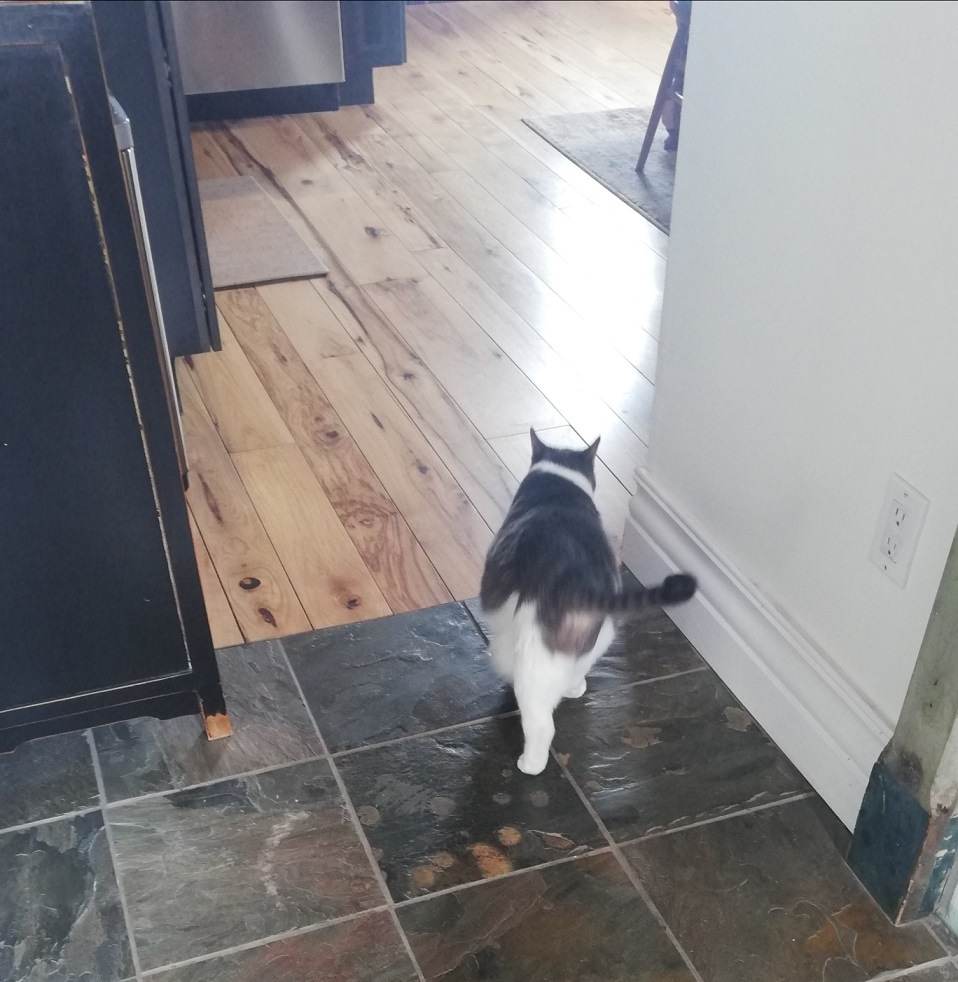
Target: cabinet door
{"x": 86, "y": 594}
{"x": 141, "y": 71}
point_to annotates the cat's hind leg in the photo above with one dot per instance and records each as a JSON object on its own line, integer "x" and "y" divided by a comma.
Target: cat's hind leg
{"x": 538, "y": 729}
{"x": 541, "y": 676}
{"x": 577, "y": 684}
{"x": 576, "y": 688}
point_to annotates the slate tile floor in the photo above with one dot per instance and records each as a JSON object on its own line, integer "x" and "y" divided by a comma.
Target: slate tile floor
{"x": 366, "y": 823}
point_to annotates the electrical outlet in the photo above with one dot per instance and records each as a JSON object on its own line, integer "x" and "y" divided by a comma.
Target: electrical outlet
{"x": 899, "y": 526}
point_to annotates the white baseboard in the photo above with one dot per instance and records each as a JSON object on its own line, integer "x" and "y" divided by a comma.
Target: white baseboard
{"x": 823, "y": 723}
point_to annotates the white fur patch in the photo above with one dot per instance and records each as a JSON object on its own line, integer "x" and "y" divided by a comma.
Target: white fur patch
{"x": 540, "y": 677}
{"x": 579, "y": 480}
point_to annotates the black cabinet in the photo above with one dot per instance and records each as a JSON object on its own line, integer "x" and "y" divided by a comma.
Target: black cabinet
{"x": 101, "y": 613}
{"x": 142, "y": 71}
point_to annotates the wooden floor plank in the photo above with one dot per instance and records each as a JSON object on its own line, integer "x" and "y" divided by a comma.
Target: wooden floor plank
{"x": 471, "y": 28}
{"x": 636, "y": 35}
{"x": 420, "y": 147}
{"x": 484, "y": 382}
{"x": 330, "y": 579}
{"x": 242, "y": 412}
{"x": 464, "y": 134}
{"x": 611, "y": 498}
{"x": 397, "y": 561}
{"x": 342, "y": 220}
{"x": 396, "y": 212}
{"x": 580, "y": 401}
{"x": 209, "y": 158}
{"x": 630, "y": 393}
{"x": 610, "y": 297}
{"x": 536, "y": 48}
{"x": 445, "y": 425}
{"x": 475, "y": 466}
{"x": 458, "y": 56}
{"x": 479, "y": 282}
{"x": 223, "y": 626}
{"x": 316, "y": 332}
{"x": 634, "y": 81}
{"x": 253, "y": 578}
{"x": 444, "y": 520}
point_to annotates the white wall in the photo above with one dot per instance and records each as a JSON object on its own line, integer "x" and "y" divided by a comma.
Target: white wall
{"x": 810, "y": 327}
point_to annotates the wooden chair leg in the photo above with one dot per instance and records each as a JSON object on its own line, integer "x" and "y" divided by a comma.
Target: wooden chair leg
{"x": 668, "y": 73}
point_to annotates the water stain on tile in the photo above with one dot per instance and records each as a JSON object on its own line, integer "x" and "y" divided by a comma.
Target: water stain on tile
{"x": 665, "y": 754}
{"x": 492, "y": 819}
{"x": 937, "y": 973}
{"x": 60, "y": 914}
{"x": 577, "y": 922}
{"x": 367, "y": 949}
{"x": 767, "y": 896}
{"x": 375, "y": 681}
{"x": 270, "y": 726}
{"x": 46, "y": 777}
{"x": 212, "y": 867}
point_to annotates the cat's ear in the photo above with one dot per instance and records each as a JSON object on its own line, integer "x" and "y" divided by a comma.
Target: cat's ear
{"x": 538, "y": 447}
{"x": 593, "y": 448}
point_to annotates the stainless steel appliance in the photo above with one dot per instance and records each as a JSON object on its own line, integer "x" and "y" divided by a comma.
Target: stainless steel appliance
{"x": 238, "y": 45}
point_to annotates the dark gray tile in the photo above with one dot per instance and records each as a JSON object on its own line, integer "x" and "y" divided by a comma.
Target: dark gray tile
{"x": 452, "y": 808}
{"x": 367, "y": 949}
{"x": 60, "y": 914}
{"x": 765, "y": 897}
{"x": 669, "y": 753}
{"x": 217, "y": 866}
{"x": 45, "y": 778}
{"x": 371, "y": 682}
{"x": 648, "y": 646}
{"x": 576, "y": 922}
{"x": 270, "y": 726}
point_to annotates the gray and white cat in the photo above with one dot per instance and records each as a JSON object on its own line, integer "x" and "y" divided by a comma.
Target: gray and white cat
{"x": 551, "y": 591}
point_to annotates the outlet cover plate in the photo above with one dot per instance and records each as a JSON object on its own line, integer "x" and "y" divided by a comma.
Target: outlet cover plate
{"x": 915, "y": 505}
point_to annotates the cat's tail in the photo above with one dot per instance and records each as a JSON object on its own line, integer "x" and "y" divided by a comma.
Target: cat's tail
{"x": 672, "y": 590}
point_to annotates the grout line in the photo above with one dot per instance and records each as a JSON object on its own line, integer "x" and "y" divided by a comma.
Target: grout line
{"x": 108, "y": 829}
{"x": 627, "y": 868}
{"x": 150, "y": 795}
{"x": 926, "y": 922}
{"x": 426, "y": 733}
{"x": 76, "y": 813}
{"x": 512, "y": 712}
{"x": 262, "y": 942}
{"x": 585, "y": 853}
{"x": 475, "y": 620}
{"x": 357, "y": 825}
{"x": 737, "y": 813}
{"x": 898, "y": 973}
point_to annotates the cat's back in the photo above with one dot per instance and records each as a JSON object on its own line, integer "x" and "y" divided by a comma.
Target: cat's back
{"x": 552, "y": 531}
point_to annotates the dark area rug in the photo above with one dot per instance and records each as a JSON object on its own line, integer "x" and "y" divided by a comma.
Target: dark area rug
{"x": 606, "y": 145}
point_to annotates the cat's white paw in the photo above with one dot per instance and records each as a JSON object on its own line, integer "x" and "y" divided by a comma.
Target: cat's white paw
{"x": 575, "y": 691}
{"x": 531, "y": 765}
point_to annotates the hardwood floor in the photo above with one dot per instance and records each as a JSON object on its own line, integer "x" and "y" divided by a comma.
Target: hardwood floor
{"x": 357, "y": 441}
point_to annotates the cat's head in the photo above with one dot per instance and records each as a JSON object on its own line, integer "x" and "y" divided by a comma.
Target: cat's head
{"x": 581, "y": 461}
